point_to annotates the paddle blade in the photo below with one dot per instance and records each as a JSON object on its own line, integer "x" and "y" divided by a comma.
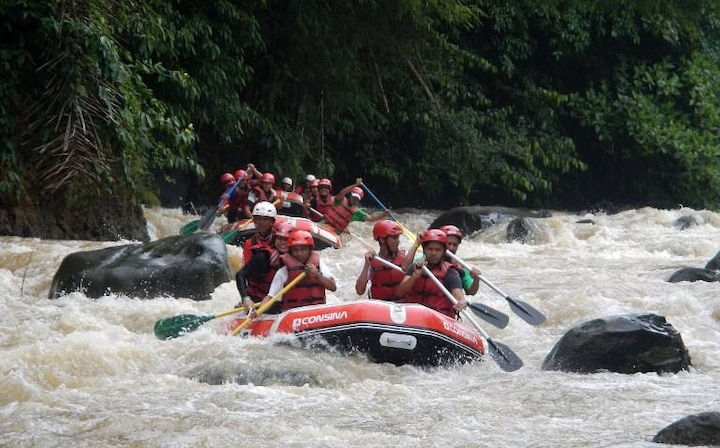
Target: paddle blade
{"x": 190, "y": 227}
{"x": 490, "y": 315}
{"x": 503, "y": 355}
{"x": 175, "y": 326}
{"x": 208, "y": 218}
{"x": 526, "y": 312}
{"x": 229, "y": 237}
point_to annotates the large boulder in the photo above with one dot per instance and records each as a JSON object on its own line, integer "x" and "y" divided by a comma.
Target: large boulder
{"x": 477, "y": 217}
{"x": 189, "y": 266}
{"x": 710, "y": 273}
{"x": 694, "y": 430}
{"x": 630, "y": 343}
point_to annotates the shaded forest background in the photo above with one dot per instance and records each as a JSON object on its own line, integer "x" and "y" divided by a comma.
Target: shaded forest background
{"x": 552, "y": 104}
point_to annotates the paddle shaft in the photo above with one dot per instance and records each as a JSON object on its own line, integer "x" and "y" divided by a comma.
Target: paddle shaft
{"x": 269, "y": 303}
{"x": 407, "y": 232}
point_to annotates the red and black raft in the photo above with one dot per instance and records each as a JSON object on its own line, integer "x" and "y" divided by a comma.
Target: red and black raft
{"x": 383, "y": 331}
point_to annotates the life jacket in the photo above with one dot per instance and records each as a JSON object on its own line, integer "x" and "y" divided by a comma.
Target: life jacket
{"x": 426, "y": 292}
{"x": 255, "y": 242}
{"x": 258, "y": 287}
{"x": 339, "y": 216}
{"x": 385, "y": 279}
{"x": 308, "y": 291}
{"x": 263, "y": 196}
{"x": 322, "y": 206}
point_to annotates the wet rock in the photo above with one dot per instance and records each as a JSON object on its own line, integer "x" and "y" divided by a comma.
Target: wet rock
{"x": 694, "y": 275}
{"x": 695, "y": 430}
{"x": 714, "y": 263}
{"x": 477, "y": 217}
{"x": 630, "y": 343}
{"x": 181, "y": 266}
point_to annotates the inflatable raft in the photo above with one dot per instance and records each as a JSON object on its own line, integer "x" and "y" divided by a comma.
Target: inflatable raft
{"x": 323, "y": 234}
{"x": 383, "y": 331}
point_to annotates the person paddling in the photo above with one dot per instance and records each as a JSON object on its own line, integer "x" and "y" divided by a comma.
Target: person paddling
{"x": 346, "y": 208}
{"x": 417, "y": 287}
{"x": 263, "y": 214}
{"x": 301, "y": 258}
{"x": 253, "y": 280}
{"x": 470, "y": 277}
{"x": 383, "y": 279}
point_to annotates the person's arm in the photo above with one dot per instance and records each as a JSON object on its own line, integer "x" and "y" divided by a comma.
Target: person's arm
{"x": 255, "y": 172}
{"x": 322, "y": 274}
{"x": 258, "y": 266}
{"x": 410, "y": 255}
{"x": 364, "y": 277}
{"x": 411, "y": 275}
{"x": 341, "y": 194}
{"x": 474, "y": 283}
{"x": 377, "y": 216}
{"x": 454, "y": 285}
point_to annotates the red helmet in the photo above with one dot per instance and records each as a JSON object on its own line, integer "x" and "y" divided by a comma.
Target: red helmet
{"x": 240, "y": 173}
{"x": 283, "y": 228}
{"x": 357, "y": 191}
{"x": 226, "y": 179}
{"x": 433, "y": 235}
{"x": 300, "y": 238}
{"x": 386, "y": 228}
{"x": 451, "y": 230}
{"x": 268, "y": 178}
{"x": 324, "y": 183}
{"x": 314, "y": 183}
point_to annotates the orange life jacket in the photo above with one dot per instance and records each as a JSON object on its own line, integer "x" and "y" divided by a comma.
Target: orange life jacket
{"x": 339, "y": 216}
{"x": 258, "y": 287}
{"x": 322, "y": 206}
{"x": 308, "y": 291}
{"x": 385, "y": 279}
{"x": 255, "y": 242}
{"x": 426, "y": 292}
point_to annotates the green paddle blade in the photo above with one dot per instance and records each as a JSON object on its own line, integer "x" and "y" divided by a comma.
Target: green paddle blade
{"x": 229, "y": 236}
{"x": 175, "y": 326}
{"x": 190, "y": 227}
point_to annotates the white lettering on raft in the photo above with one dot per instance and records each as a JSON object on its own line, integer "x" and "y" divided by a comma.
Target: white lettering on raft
{"x": 460, "y": 332}
{"x": 309, "y": 320}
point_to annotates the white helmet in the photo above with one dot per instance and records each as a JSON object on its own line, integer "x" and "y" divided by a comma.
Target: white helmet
{"x": 309, "y": 177}
{"x": 287, "y": 180}
{"x": 264, "y": 208}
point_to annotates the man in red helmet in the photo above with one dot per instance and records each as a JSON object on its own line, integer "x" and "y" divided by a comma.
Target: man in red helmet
{"x": 470, "y": 278}
{"x": 346, "y": 208}
{"x": 383, "y": 279}
{"x": 263, "y": 192}
{"x": 317, "y": 206}
{"x": 417, "y": 287}
{"x": 253, "y": 280}
{"x": 301, "y": 258}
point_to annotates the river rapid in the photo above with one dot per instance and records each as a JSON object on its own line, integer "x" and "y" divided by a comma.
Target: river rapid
{"x": 89, "y": 373}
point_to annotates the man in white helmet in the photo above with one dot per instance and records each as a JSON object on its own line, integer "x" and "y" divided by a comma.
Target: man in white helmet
{"x": 286, "y": 184}
{"x": 263, "y": 214}
{"x": 304, "y": 189}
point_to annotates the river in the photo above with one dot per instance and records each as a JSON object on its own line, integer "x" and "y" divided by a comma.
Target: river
{"x": 89, "y": 373}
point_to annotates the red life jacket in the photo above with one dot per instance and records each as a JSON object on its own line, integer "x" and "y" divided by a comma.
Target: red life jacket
{"x": 255, "y": 242}
{"x": 258, "y": 287}
{"x": 308, "y": 291}
{"x": 263, "y": 196}
{"x": 339, "y": 216}
{"x": 239, "y": 199}
{"x": 426, "y": 292}
{"x": 385, "y": 279}
{"x": 322, "y": 206}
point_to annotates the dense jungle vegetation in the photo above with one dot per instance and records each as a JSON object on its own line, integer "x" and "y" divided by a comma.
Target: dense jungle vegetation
{"x": 542, "y": 103}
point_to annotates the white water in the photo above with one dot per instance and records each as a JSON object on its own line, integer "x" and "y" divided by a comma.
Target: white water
{"x": 81, "y": 372}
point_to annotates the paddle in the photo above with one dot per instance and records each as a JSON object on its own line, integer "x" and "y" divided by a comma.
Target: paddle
{"x": 173, "y": 327}
{"x": 268, "y": 304}
{"x": 524, "y": 310}
{"x": 484, "y": 312}
{"x": 407, "y": 232}
{"x": 503, "y": 355}
{"x": 206, "y": 221}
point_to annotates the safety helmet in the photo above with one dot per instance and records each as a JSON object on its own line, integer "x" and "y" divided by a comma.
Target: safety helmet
{"x": 264, "y": 208}
{"x": 386, "y": 228}
{"x": 309, "y": 178}
{"x": 300, "y": 238}
{"x": 268, "y": 178}
{"x": 287, "y": 180}
{"x": 283, "y": 228}
{"x": 357, "y": 192}
{"x": 240, "y": 174}
{"x": 451, "y": 230}
{"x": 433, "y": 235}
{"x": 227, "y": 178}
{"x": 314, "y": 183}
{"x": 325, "y": 183}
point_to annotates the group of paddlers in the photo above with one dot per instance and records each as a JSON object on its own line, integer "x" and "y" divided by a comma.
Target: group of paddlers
{"x": 247, "y": 188}
{"x": 278, "y": 253}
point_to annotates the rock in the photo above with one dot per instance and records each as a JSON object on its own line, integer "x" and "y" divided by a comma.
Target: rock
{"x": 477, "y": 217}
{"x": 181, "y": 266}
{"x": 714, "y": 263}
{"x": 695, "y": 430}
{"x": 685, "y": 222}
{"x": 630, "y": 343}
{"x": 694, "y": 275}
